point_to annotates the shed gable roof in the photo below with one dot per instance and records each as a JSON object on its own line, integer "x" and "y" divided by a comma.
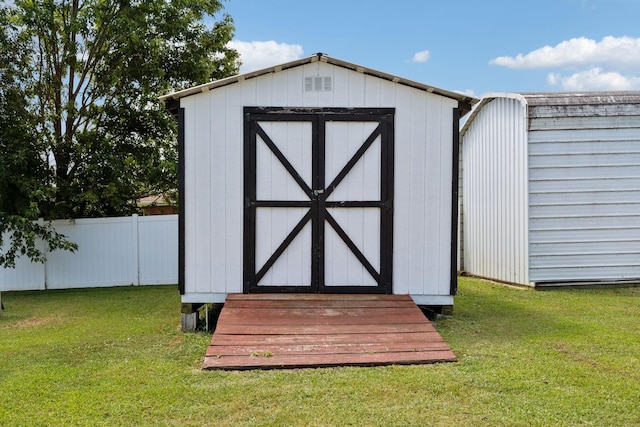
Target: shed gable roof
{"x": 464, "y": 101}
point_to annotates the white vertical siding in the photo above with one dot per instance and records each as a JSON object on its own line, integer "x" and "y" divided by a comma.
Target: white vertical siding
{"x": 402, "y": 227}
{"x": 423, "y": 172}
{"x": 494, "y": 153}
{"x": 203, "y": 166}
{"x": 218, "y": 216}
{"x": 228, "y": 132}
{"x": 416, "y": 199}
{"x": 585, "y": 193}
{"x": 214, "y": 175}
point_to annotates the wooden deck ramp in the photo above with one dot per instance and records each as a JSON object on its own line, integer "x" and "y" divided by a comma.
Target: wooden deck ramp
{"x": 270, "y": 331}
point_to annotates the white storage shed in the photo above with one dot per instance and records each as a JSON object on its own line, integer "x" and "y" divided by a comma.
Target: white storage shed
{"x": 318, "y": 175}
{"x": 551, "y": 188}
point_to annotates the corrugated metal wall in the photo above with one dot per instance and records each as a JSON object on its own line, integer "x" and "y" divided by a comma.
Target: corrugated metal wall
{"x": 494, "y": 202}
{"x": 584, "y": 193}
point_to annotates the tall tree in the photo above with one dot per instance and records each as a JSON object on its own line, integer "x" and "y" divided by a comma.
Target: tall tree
{"x": 23, "y": 170}
{"x": 81, "y": 131}
{"x": 97, "y": 68}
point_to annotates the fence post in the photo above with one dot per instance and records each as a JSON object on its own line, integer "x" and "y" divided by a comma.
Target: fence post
{"x": 136, "y": 250}
{"x": 43, "y": 266}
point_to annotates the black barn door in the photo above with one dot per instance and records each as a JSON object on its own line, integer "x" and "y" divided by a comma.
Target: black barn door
{"x": 318, "y": 200}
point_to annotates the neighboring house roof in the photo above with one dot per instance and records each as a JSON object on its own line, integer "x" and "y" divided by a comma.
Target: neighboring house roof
{"x": 158, "y": 200}
{"x": 538, "y": 99}
{"x": 465, "y": 101}
{"x": 157, "y": 205}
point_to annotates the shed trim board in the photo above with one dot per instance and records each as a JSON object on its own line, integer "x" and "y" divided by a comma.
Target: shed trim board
{"x": 576, "y": 187}
{"x": 420, "y": 206}
{"x": 455, "y": 166}
{"x": 181, "y": 199}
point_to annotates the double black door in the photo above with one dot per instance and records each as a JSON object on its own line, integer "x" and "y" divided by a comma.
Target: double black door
{"x": 318, "y": 200}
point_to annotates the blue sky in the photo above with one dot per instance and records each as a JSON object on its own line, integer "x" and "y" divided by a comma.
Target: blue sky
{"x": 470, "y": 46}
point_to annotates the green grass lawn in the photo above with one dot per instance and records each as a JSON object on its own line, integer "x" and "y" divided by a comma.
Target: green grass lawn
{"x": 117, "y": 357}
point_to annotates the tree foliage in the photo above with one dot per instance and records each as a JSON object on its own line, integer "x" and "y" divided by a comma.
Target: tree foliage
{"x": 83, "y": 123}
{"x": 23, "y": 171}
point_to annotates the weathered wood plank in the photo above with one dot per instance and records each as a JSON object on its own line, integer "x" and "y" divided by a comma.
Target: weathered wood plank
{"x": 315, "y": 320}
{"x": 320, "y": 310}
{"x": 335, "y": 338}
{"x": 321, "y": 316}
{"x": 323, "y": 360}
{"x": 318, "y": 329}
{"x": 312, "y": 349}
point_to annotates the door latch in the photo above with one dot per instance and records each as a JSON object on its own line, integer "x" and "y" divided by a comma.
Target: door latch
{"x": 317, "y": 192}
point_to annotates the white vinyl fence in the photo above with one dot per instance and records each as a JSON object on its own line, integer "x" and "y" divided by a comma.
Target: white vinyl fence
{"x": 136, "y": 250}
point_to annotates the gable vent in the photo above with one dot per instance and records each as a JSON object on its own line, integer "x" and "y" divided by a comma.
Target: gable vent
{"x": 318, "y": 84}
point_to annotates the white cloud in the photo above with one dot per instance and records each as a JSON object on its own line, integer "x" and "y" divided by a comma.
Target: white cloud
{"x": 554, "y": 79}
{"x": 422, "y": 56}
{"x": 618, "y": 52}
{"x": 256, "y": 55}
{"x": 612, "y": 63}
{"x": 594, "y": 79}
